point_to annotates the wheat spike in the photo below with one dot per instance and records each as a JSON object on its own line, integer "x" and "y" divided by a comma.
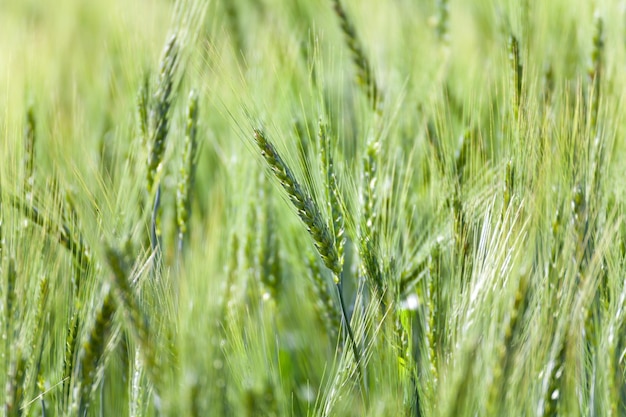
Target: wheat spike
{"x": 306, "y": 208}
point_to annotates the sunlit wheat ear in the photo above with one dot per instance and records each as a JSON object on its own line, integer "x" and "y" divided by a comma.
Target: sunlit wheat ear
{"x": 431, "y": 296}
{"x": 138, "y": 394}
{"x": 93, "y": 352}
{"x": 222, "y": 322}
{"x": 506, "y": 351}
{"x": 442, "y": 17}
{"x": 311, "y": 216}
{"x": 73, "y": 242}
{"x": 236, "y": 35}
{"x": 250, "y": 241}
{"x": 14, "y": 363}
{"x": 10, "y": 307}
{"x": 263, "y": 231}
{"x": 599, "y": 142}
{"x": 369, "y": 186}
{"x": 333, "y": 193}
{"x": 160, "y": 113}
{"x": 548, "y": 87}
{"x": 595, "y": 73}
{"x": 306, "y": 208}
{"x": 405, "y": 315}
{"x": 365, "y": 74}
{"x": 517, "y": 74}
{"x": 136, "y": 321}
{"x": 69, "y": 358}
{"x": 143, "y": 110}
{"x": 509, "y": 178}
{"x": 324, "y": 305}
{"x": 30, "y": 136}
{"x": 369, "y": 227}
{"x": 549, "y": 406}
{"x": 14, "y": 390}
{"x": 615, "y": 355}
{"x": 36, "y": 337}
{"x": 2, "y": 214}
{"x": 457, "y": 401}
{"x": 268, "y": 248}
{"x": 229, "y": 286}
{"x": 187, "y": 170}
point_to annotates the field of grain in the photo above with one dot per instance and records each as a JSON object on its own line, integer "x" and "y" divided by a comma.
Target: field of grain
{"x": 312, "y": 208}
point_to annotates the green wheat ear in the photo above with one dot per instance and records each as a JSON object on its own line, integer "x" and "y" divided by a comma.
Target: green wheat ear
{"x": 311, "y": 216}
{"x": 517, "y": 71}
{"x": 36, "y": 338}
{"x": 143, "y": 112}
{"x": 14, "y": 394}
{"x": 232, "y": 14}
{"x": 307, "y": 210}
{"x": 506, "y": 349}
{"x": 268, "y": 247}
{"x": 595, "y": 73}
{"x": 30, "y": 136}
{"x": 441, "y": 27}
{"x": 135, "y": 318}
{"x": 160, "y": 113}
{"x": 187, "y": 170}
{"x": 324, "y": 305}
{"x": 159, "y": 120}
{"x": 93, "y": 352}
{"x": 364, "y": 73}
{"x": 333, "y": 193}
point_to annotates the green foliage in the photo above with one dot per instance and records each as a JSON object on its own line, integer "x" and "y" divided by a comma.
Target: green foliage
{"x": 443, "y": 236}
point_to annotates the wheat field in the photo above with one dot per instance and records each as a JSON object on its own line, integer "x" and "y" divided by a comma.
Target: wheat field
{"x": 312, "y": 208}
